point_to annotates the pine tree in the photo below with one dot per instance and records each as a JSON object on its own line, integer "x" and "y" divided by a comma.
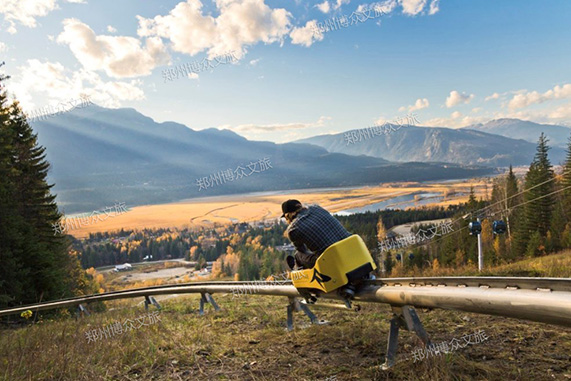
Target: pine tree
{"x": 558, "y": 222}
{"x": 538, "y": 199}
{"x": 535, "y": 245}
{"x": 472, "y": 202}
{"x": 538, "y": 210}
{"x": 511, "y": 189}
{"x": 498, "y": 194}
{"x": 512, "y": 198}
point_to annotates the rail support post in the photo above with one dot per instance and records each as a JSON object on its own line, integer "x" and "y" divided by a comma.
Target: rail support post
{"x": 151, "y": 300}
{"x": 406, "y": 318}
{"x": 295, "y": 305}
{"x": 81, "y": 311}
{"x": 205, "y": 297}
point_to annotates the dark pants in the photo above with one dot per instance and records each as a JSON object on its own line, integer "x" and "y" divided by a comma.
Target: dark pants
{"x": 307, "y": 261}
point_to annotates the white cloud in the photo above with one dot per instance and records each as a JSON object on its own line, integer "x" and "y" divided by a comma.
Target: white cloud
{"x": 433, "y": 7}
{"x": 418, "y": 105}
{"x": 3, "y": 47}
{"x": 306, "y": 35}
{"x": 562, "y": 112}
{"x": 118, "y": 56}
{"x": 324, "y": 7}
{"x": 525, "y": 99}
{"x": 456, "y": 120}
{"x": 412, "y": 7}
{"x": 386, "y": 6}
{"x": 256, "y": 128}
{"x": 396, "y": 119}
{"x": 340, "y": 3}
{"x": 192, "y": 75}
{"x": 25, "y": 12}
{"x": 50, "y": 80}
{"x": 518, "y": 107}
{"x": 239, "y": 24}
{"x": 254, "y": 62}
{"x": 110, "y": 29}
{"x": 455, "y": 98}
{"x": 555, "y": 115}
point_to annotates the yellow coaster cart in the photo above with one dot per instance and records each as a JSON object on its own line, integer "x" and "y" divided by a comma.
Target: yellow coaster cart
{"x": 341, "y": 267}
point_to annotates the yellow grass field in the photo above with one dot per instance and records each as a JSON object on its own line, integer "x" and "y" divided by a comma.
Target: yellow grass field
{"x": 207, "y": 211}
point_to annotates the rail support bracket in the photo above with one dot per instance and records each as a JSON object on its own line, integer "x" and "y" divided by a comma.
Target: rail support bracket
{"x": 151, "y": 300}
{"x": 295, "y": 305}
{"x": 205, "y": 297}
{"x": 406, "y": 318}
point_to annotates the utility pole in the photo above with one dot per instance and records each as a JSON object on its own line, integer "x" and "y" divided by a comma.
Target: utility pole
{"x": 480, "y": 254}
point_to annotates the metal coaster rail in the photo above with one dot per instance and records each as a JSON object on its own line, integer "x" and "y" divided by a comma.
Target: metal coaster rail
{"x": 538, "y": 299}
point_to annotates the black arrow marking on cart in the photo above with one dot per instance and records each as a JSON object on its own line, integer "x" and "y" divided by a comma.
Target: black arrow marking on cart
{"x": 320, "y": 277}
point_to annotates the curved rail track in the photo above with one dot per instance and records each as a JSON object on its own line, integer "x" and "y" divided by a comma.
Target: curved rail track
{"x": 546, "y": 300}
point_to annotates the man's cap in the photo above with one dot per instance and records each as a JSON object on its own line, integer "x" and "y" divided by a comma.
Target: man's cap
{"x": 290, "y": 206}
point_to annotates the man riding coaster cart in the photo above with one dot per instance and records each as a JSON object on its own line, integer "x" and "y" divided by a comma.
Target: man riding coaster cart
{"x": 328, "y": 257}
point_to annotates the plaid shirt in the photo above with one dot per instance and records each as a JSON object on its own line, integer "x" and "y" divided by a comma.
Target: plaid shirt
{"x": 315, "y": 229}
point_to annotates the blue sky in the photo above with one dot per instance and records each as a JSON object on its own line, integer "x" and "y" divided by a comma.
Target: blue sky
{"x": 452, "y": 63}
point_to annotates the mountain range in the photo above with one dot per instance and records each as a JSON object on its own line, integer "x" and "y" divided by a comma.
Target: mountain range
{"x": 101, "y": 156}
{"x": 522, "y": 129}
{"x": 466, "y": 146}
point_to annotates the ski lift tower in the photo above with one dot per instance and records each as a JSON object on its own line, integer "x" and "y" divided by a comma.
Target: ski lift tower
{"x": 476, "y": 229}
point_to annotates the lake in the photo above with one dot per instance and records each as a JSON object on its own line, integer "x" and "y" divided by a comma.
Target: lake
{"x": 399, "y": 202}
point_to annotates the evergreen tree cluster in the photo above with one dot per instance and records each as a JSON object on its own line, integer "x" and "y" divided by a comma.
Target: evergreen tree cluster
{"x": 36, "y": 265}
{"x": 543, "y": 221}
{"x": 536, "y": 210}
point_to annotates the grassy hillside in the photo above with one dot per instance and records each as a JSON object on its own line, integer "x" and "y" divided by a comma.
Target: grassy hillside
{"x": 247, "y": 340}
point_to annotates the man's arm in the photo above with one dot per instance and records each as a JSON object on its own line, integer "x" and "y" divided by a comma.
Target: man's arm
{"x": 297, "y": 242}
